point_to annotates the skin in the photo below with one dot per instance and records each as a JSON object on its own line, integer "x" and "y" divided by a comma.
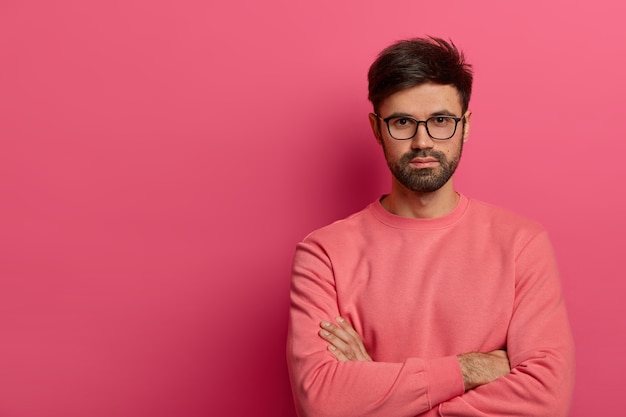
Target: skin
{"x": 427, "y": 157}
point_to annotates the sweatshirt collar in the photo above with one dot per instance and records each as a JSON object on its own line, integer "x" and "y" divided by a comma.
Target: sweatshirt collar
{"x": 401, "y": 222}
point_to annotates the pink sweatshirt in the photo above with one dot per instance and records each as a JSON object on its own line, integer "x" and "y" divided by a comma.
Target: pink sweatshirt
{"x": 420, "y": 292}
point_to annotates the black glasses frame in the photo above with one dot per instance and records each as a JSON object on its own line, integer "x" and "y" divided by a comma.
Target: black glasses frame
{"x": 417, "y": 125}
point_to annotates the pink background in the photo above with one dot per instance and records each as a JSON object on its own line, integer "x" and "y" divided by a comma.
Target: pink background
{"x": 160, "y": 159}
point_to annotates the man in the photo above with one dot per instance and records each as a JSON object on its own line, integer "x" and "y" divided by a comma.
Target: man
{"x": 430, "y": 303}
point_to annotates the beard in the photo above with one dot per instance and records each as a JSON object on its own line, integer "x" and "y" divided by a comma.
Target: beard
{"x": 424, "y": 180}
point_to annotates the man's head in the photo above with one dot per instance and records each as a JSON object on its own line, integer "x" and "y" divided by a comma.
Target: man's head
{"x": 412, "y": 62}
{"x": 421, "y": 82}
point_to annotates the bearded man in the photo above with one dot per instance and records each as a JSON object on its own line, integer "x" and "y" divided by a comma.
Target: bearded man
{"x": 427, "y": 302}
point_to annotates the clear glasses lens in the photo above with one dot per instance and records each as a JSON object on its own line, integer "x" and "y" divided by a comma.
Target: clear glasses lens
{"x": 438, "y": 127}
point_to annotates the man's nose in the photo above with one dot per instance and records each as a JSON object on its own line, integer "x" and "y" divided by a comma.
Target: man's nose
{"x": 422, "y": 139}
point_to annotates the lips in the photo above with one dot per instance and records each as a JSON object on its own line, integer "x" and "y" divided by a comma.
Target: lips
{"x": 420, "y": 160}
{"x": 423, "y": 162}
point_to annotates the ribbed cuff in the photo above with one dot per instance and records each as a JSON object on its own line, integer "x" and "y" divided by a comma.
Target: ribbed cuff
{"x": 445, "y": 380}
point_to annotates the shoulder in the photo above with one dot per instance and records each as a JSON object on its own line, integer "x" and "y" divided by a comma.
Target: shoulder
{"x": 341, "y": 238}
{"x": 502, "y": 217}
{"x": 341, "y": 229}
{"x": 505, "y": 225}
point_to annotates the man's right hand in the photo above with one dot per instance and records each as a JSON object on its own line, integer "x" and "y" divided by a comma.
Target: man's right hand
{"x": 345, "y": 343}
{"x": 482, "y": 368}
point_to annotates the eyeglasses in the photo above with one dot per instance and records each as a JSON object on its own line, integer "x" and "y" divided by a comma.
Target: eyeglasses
{"x": 437, "y": 127}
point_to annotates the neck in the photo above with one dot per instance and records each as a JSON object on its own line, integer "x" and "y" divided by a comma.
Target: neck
{"x": 407, "y": 203}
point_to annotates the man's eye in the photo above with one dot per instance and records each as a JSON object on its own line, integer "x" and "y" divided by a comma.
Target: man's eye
{"x": 402, "y": 122}
{"x": 440, "y": 120}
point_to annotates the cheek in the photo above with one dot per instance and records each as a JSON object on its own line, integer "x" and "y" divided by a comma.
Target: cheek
{"x": 395, "y": 149}
{"x": 454, "y": 148}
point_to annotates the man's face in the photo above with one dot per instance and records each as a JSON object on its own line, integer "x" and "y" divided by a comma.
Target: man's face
{"x": 422, "y": 164}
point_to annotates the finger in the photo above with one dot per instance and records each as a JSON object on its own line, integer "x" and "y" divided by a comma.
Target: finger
{"x": 338, "y": 354}
{"x": 345, "y": 349}
{"x": 338, "y": 332}
{"x": 349, "y": 344}
{"x": 347, "y": 327}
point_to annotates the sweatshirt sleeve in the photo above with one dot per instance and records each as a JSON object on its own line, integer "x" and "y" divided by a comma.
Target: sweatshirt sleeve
{"x": 324, "y": 387}
{"x": 539, "y": 345}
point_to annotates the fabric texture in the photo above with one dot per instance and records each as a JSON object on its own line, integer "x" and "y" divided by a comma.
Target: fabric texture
{"x": 420, "y": 292}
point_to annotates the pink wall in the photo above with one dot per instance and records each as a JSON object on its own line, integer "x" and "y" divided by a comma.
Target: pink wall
{"x": 160, "y": 159}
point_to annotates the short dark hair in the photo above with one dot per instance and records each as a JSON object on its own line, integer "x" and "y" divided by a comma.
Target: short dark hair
{"x": 412, "y": 62}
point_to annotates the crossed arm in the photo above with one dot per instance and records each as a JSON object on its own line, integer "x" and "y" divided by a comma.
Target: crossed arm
{"x": 478, "y": 368}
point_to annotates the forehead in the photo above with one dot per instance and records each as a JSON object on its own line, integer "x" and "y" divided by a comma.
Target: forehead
{"x": 423, "y": 100}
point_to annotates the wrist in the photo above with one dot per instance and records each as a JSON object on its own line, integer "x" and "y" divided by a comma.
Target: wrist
{"x": 470, "y": 368}
{"x": 482, "y": 368}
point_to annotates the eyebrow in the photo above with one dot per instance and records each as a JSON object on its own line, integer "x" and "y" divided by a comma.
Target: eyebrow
{"x": 436, "y": 113}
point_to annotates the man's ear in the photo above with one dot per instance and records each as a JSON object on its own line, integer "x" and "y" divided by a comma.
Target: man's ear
{"x": 466, "y": 125}
{"x": 375, "y": 127}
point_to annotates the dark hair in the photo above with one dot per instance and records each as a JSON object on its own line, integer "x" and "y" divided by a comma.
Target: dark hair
{"x": 412, "y": 62}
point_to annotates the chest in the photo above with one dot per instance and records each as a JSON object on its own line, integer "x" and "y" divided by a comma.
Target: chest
{"x": 431, "y": 297}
